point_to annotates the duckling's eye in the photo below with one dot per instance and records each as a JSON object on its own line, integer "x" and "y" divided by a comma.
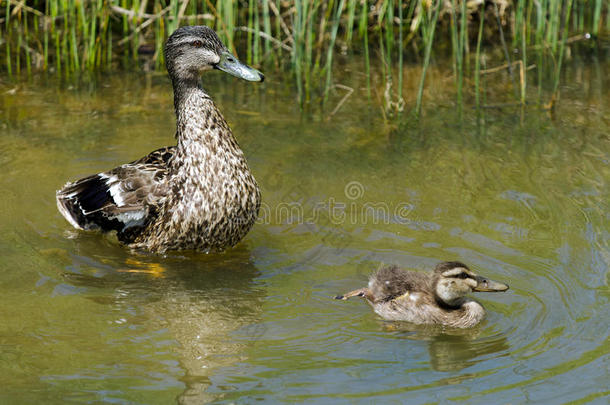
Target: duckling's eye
{"x": 463, "y": 275}
{"x": 197, "y": 44}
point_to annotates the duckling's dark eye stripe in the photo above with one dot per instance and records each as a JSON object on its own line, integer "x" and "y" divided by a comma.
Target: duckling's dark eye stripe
{"x": 454, "y": 272}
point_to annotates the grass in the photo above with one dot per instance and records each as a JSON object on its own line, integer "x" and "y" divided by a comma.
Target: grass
{"x": 305, "y": 38}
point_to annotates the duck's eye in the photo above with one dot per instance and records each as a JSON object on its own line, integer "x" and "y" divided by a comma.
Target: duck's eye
{"x": 197, "y": 44}
{"x": 463, "y": 275}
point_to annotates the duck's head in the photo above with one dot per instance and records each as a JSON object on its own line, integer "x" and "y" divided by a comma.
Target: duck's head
{"x": 191, "y": 50}
{"x": 453, "y": 280}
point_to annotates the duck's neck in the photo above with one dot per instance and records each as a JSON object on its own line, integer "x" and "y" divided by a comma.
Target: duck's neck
{"x": 200, "y": 127}
{"x": 184, "y": 89}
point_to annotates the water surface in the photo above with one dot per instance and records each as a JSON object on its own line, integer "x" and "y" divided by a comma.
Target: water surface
{"x": 520, "y": 196}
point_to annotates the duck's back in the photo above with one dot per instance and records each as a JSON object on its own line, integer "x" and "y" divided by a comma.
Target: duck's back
{"x": 391, "y": 282}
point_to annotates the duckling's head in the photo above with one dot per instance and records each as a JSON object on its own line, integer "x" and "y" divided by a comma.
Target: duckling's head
{"x": 453, "y": 280}
{"x": 191, "y": 50}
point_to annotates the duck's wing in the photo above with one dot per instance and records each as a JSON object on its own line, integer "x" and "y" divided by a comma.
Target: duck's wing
{"x": 391, "y": 282}
{"x": 120, "y": 199}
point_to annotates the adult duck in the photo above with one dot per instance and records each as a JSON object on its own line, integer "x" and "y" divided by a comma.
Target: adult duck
{"x": 437, "y": 297}
{"x": 197, "y": 195}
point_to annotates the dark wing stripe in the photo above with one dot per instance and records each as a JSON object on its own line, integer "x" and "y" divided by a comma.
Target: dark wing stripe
{"x": 94, "y": 194}
{"x": 84, "y": 199}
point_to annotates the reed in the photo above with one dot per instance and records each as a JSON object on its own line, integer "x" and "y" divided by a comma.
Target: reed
{"x": 477, "y": 60}
{"x": 364, "y": 32}
{"x": 428, "y": 34}
{"x": 303, "y": 37}
{"x": 564, "y": 36}
{"x": 331, "y": 47}
{"x": 458, "y": 40}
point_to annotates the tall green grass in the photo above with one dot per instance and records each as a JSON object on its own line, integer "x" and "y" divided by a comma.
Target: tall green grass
{"x": 304, "y": 38}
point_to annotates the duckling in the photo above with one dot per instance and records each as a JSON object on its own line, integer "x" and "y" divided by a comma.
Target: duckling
{"x": 197, "y": 195}
{"x": 438, "y": 297}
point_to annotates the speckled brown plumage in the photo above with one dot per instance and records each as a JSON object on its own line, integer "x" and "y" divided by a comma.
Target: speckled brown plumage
{"x": 199, "y": 194}
{"x": 436, "y": 297}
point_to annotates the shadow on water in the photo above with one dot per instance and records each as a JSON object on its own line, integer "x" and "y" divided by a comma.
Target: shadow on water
{"x": 208, "y": 304}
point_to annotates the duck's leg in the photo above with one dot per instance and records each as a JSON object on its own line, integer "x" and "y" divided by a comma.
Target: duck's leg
{"x": 361, "y": 292}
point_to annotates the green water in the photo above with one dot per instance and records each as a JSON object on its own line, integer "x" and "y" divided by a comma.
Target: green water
{"x": 520, "y": 196}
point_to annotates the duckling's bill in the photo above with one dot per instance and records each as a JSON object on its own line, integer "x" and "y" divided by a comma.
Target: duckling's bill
{"x": 231, "y": 65}
{"x": 362, "y": 292}
{"x": 487, "y": 285}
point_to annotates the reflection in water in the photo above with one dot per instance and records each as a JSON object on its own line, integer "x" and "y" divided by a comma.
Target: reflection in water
{"x": 451, "y": 349}
{"x": 201, "y": 301}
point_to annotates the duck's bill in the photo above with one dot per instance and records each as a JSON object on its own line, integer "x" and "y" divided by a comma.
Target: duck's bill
{"x": 487, "y": 285}
{"x": 229, "y": 64}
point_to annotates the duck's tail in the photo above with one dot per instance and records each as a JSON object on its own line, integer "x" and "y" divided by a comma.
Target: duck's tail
{"x": 81, "y": 203}
{"x": 361, "y": 292}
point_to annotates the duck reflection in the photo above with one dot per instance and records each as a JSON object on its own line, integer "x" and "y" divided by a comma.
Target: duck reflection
{"x": 451, "y": 349}
{"x": 209, "y": 304}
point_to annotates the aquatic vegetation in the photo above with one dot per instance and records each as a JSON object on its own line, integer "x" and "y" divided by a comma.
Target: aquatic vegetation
{"x": 306, "y": 38}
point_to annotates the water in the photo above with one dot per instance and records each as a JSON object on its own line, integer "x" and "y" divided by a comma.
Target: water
{"x": 521, "y": 197}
